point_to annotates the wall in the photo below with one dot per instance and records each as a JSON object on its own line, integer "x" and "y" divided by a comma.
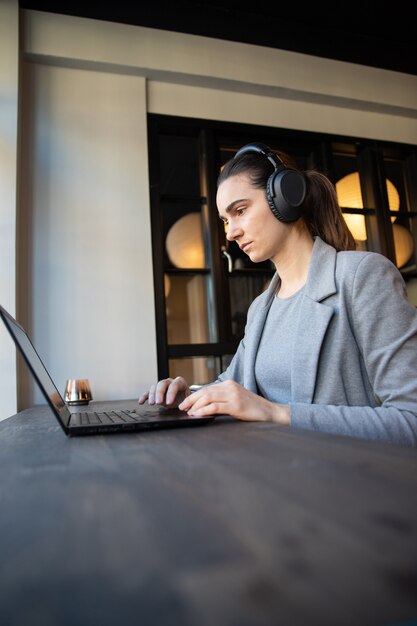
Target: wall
{"x": 9, "y": 63}
{"x": 86, "y": 287}
{"x": 202, "y": 77}
{"x": 84, "y": 252}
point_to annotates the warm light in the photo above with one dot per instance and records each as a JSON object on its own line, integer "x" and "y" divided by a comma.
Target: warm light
{"x": 184, "y": 242}
{"x": 349, "y": 195}
{"x": 404, "y": 244}
{"x": 167, "y": 285}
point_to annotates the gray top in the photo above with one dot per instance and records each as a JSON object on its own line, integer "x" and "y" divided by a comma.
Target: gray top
{"x": 354, "y": 363}
{"x": 273, "y": 359}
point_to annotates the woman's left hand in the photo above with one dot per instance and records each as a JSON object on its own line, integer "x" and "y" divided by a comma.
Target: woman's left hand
{"x": 230, "y": 398}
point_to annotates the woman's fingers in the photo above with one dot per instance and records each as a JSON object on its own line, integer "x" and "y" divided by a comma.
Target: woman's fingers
{"x": 208, "y": 400}
{"x": 142, "y": 399}
{"x": 161, "y": 390}
{"x": 167, "y": 391}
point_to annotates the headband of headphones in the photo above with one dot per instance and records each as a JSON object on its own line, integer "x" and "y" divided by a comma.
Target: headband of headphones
{"x": 263, "y": 149}
{"x": 285, "y": 188}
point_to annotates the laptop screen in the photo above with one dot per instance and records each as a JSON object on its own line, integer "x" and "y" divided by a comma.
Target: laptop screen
{"x": 38, "y": 369}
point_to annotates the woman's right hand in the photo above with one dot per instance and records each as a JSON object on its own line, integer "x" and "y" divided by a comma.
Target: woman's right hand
{"x": 168, "y": 392}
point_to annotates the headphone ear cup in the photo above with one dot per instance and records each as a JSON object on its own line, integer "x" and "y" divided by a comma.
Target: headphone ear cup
{"x": 271, "y": 199}
{"x": 285, "y": 192}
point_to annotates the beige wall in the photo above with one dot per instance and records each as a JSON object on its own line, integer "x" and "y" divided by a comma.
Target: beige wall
{"x": 203, "y": 77}
{"x": 85, "y": 266}
{"x": 86, "y": 290}
{"x": 8, "y": 159}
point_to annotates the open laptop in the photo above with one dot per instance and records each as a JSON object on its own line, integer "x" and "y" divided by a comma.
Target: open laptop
{"x": 143, "y": 417}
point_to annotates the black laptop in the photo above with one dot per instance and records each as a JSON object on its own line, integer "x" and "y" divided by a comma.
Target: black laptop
{"x": 142, "y": 417}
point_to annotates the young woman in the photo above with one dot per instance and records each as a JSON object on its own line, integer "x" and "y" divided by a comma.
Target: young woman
{"x": 331, "y": 345}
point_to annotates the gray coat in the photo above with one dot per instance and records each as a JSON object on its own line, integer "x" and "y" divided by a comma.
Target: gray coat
{"x": 354, "y": 364}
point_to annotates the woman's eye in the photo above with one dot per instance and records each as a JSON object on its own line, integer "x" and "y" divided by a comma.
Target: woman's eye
{"x": 240, "y": 211}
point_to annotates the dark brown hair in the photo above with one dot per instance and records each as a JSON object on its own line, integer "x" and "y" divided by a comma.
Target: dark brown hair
{"x": 320, "y": 211}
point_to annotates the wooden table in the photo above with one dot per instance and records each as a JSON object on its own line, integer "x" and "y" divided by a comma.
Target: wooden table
{"x": 232, "y": 523}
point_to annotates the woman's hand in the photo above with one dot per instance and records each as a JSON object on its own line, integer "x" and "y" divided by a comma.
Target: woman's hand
{"x": 230, "y": 398}
{"x": 168, "y": 392}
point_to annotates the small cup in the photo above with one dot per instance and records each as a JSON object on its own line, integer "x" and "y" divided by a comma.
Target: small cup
{"x": 77, "y": 391}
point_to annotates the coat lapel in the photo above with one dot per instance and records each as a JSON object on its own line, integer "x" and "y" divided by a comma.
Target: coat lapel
{"x": 313, "y": 320}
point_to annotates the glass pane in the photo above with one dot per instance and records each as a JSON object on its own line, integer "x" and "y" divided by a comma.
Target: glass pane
{"x": 411, "y": 285}
{"x": 404, "y": 227}
{"x": 225, "y": 361}
{"x": 349, "y": 195}
{"x": 187, "y": 308}
{"x": 394, "y": 171}
{"x": 243, "y": 290}
{"x": 404, "y": 244}
{"x": 196, "y": 370}
{"x": 185, "y": 246}
{"x": 179, "y": 165}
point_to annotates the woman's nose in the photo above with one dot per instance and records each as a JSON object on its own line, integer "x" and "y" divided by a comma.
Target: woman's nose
{"x": 232, "y": 232}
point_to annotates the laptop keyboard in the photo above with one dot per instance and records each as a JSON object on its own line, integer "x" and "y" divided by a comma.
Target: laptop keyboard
{"x": 114, "y": 417}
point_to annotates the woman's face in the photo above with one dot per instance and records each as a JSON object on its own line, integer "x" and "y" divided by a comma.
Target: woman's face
{"x": 249, "y": 220}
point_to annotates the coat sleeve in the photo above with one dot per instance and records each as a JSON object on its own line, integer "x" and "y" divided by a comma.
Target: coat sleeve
{"x": 385, "y": 326}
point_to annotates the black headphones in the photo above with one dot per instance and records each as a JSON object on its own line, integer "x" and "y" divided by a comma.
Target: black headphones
{"x": 285, "y": 188}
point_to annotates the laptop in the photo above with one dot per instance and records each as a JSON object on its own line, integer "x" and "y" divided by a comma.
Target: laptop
{"x": 123, "y": 419}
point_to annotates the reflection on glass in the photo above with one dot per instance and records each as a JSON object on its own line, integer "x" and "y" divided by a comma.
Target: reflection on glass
{"x": 196, "y": 370}
{"x": 225, "y": 361}
{"x": 187, "y": 315}
{"x": 411, "y": 286}
{"x": 199, "y": 370}
{"x": 350, "y": 197}
{"x": 184, "y": 242}
{"x": 178, "y": 165}
{"x": 404, "y": 244}
{"x": 243, "y": 290}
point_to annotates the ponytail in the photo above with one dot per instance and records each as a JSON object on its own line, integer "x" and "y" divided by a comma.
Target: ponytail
{"x": 322, "y": 213}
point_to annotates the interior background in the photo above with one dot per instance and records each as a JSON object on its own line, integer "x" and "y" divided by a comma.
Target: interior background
{"x": 75, "y": 245}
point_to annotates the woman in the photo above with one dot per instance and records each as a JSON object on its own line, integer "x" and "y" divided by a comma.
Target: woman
{"x": 331, "y": 345}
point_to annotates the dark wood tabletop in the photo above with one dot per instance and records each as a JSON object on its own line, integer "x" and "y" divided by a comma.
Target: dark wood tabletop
{"x": 231, "y": 523}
